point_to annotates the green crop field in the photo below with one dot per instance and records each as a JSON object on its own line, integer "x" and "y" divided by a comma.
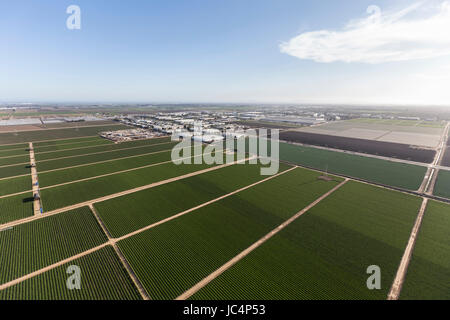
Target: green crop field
{"x": 442, "y": 187}
{"x": 102, "y": 278}
{"x": 14, "y": 160}
{"x": 65, "y": 195}
{"x": 172, "y": 257}
{"x": 429, "y": 270}
{"x": 16, "y": 207}
{"x": 325, "y": 253}
{"x": 31, "y": 246}
{"x": 15, "y": 152}
{"x": 53, "y": 134}
{"x": 101, "y": 156}
{"x": 58, "y": 142}
{"x": 75, "y": 145}
{"x": 13, "y": 146}
{"x": 375, "y": 170}
{"x": 87, "y": 171}
{"x": 101, "y": 148}
{"x": 15, "y": 185}
{"x": 15, "y": 170}
{"x": 131, "y": 212}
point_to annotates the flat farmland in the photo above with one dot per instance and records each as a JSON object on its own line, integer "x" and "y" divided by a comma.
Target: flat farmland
{"x": 446, "y": 158}
{"x": 429, "y": 270}
{"x": 16, "y": 207}
{"x": 53, "y": 134}
{"x": 73, "y": 145}
{"x": 40, "y": 156}
{"x": 77, "y": 192}
{"x": 57, "y": 142}
{"x": 87, "y": 171}
{"x": 390, "y": 173}
{"x": 15, "y": 170}
{"x": 131, "y": 212}
{"x": 324, "y": 254}
{"x": 13, "y": 146}
{"x": 31, "y": 246}
{"x": 76, "y": 160}
{"x": 172, "y": 257}
{"x": 9, "y": 161}
{"x": 15, "y": 185}
{"x": 381, "y": 148}
{"x": 13, "y": 152}
{"x": 442, "y": 188}
{"x": 103, "y": 278}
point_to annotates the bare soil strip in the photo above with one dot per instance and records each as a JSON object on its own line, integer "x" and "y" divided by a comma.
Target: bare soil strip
{"x": 37, "y": 209}
{"x": 427, "y": 186}
{"x": 115, "y": 195}
{"x": 258, "y": 243}
{"x": 125, "y": 264}
{"x": 394, "y": 293}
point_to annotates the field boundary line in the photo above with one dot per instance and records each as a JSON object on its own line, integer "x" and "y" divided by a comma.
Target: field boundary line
{"x": 397, "y": 284}
{"x": 187, "y": 294}
{"x": 14, "y": 164}
{"x": 133, "y": 233}
{"x": 100, "y": 152}
{"x": 115, "y": 195}
{"x": 121, "y": 257}
{"x": 19, "y": 176}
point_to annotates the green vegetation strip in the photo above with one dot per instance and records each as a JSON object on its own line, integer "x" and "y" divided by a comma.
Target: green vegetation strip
{"x": 14, "y": 160}
{"x": 103, "y": 277}
{"x": 442, "y": 187}
{"x": 15, "y": 170}
{"x": 429, "y": 270}
{"x": 16, "y": 207}
{"x": 31, "y": 246}
{"x": 101, "y": 156}
{"x": 12, "y": 153}
{"x": 88, "y": 171}
{"x": 390, "y": 173}
{"x": 172, "y": 257}
{"x": 13, "y": 146}
{"x": 65, "y": 141}
{"x": 100, "y": 148}
{"x": 15, "y": 185}
{"x": 40, "y": 135}
{"x": 77, "y": 145}
{"x": 325, "y": 253}
{"x": 134, "y": 211}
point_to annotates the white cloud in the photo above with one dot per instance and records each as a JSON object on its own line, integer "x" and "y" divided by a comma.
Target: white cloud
{"x": 416, "y": 32}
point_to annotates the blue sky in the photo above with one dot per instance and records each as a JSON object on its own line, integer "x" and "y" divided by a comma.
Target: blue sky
{"x": 214, "y": 51}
